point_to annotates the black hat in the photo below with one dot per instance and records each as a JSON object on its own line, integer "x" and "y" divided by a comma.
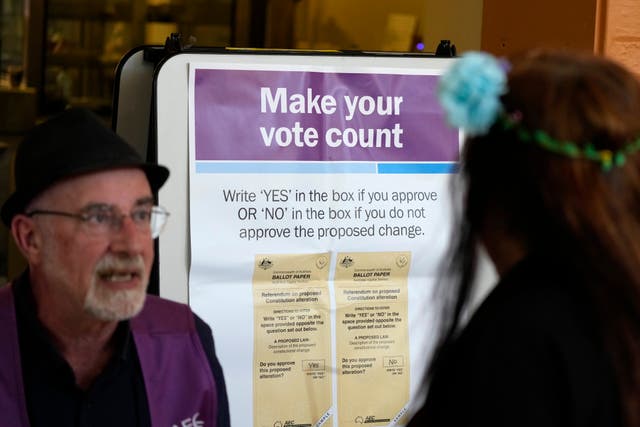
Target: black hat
{"x": 72, "y": 143}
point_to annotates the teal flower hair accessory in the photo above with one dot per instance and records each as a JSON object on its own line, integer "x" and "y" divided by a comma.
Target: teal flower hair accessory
{"x": 470, "y": 93}
{"x": 470, "y": 90}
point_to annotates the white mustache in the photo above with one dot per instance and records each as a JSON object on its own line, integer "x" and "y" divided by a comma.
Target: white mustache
{"x": 112, "y": 263}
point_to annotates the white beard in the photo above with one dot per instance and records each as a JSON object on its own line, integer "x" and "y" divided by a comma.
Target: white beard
{"x": 115, "y": 305}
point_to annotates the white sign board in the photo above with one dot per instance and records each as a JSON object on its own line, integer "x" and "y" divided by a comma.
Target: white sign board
{"x": 310, "y": 210}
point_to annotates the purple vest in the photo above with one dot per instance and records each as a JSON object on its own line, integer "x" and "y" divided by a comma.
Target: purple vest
{"x": 180, "y": 387}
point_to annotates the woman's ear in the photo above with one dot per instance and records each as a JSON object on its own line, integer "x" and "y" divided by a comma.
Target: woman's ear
{"x": 27, "y": 237}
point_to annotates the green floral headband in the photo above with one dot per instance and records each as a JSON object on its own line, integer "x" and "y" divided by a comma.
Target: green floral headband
{"x": 607, "y": 158}
{"x": 470, "y": 94}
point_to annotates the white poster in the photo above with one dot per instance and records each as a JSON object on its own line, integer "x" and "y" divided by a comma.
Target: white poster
{"x": 319, "y": 213}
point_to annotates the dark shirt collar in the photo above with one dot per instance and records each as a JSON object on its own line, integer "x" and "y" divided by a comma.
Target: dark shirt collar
{"x": 52, "y": 395}
{"x": 36, "y": 333}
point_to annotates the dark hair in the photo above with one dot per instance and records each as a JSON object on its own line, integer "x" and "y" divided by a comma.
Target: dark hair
{"x": 568, "y": 209}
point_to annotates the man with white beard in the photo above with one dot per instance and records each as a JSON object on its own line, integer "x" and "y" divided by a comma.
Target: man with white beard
{"x": 82, "y": 342}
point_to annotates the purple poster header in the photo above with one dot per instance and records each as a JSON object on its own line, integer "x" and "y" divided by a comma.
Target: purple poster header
{"x": 316, "y": 116}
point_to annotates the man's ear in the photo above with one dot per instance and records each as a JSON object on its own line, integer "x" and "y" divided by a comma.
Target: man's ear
{"x": 27, "y": 237}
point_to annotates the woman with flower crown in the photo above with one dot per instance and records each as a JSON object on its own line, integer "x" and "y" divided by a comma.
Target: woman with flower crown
{"x": 551, "y": 183}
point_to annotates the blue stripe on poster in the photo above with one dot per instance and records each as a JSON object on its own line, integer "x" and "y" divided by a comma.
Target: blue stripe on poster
{"x": 324, "y": 168}
{"x": 417, "y": 168}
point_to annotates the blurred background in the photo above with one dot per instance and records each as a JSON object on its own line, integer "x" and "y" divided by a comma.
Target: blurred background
{"x": 60, "y": 53}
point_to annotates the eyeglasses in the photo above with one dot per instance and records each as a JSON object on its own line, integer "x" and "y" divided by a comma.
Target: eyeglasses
{"x": 105, "y": 219}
